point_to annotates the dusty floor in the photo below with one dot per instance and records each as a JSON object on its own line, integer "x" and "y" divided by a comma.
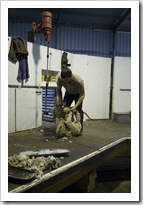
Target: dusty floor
{"x": 96, "y": 134}
{"x": 45, "y": 136}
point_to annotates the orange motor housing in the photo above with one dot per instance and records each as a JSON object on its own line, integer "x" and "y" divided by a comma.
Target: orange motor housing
{"x": 47, "y": 24}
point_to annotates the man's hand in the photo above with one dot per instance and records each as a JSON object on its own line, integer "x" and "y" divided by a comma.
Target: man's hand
{"x": 73, "y": 109}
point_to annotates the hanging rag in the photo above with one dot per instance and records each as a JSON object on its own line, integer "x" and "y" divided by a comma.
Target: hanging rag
{"x": 18, "y": 52}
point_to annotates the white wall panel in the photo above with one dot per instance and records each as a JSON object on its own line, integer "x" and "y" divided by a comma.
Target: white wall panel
{"x": 12, "y": 69}
{"x": 122, "y": 80}
{"x": 11, "y": 110}
{"x": 98, "y": 87}
{"x": 28, "y": 109}
{"x": 79, "y": 66}
{"x": 96, "y": 74}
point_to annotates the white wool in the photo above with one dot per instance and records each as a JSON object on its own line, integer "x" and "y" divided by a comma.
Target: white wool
{"x": 69, "y": 124}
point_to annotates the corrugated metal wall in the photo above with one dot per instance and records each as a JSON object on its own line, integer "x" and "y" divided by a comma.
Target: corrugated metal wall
{"x": 123, "y": 44}
{"x": 85, "y": 41}
{"x": 48, "y": 103}
{"x": 78, "y": 40}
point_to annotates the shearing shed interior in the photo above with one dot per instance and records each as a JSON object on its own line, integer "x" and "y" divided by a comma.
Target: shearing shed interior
{"x": 97, "y": 46}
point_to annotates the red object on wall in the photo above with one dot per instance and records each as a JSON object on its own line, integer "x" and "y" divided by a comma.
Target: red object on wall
{"x": 45, "y": 26}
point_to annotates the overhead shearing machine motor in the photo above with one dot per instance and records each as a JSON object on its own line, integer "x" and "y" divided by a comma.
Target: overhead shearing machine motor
{"x": 45, "y": 27}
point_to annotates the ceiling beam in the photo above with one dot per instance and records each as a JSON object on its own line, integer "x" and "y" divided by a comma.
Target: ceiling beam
{"x": 121, "y": 20}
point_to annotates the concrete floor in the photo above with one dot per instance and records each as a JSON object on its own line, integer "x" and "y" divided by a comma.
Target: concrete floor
{"x": 96, "y": 134}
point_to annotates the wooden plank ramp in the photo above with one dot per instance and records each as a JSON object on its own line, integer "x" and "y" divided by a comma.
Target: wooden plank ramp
{"x": 83, "y": 167}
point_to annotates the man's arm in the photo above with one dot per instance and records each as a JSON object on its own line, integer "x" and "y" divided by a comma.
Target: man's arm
{"x": 59, "y": 95}
{"x": 80, "y": 100}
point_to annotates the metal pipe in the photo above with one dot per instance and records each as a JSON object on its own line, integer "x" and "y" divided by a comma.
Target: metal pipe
{"x": 112, "y": 73}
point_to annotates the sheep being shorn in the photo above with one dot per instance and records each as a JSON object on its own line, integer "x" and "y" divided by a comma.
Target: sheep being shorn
{"x": 68, "y": 123}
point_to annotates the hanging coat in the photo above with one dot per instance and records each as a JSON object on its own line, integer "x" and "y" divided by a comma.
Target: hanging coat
{"x": 18, "y": 52}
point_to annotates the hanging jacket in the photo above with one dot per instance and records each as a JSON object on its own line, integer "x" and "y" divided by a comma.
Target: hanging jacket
{"x": 18, "y": 52}
{"x": 18, "y": 49}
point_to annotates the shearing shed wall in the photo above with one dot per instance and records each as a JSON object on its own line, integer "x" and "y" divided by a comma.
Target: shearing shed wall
{"x": 77, "y": 39}
{"x": 84, "y": 41}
